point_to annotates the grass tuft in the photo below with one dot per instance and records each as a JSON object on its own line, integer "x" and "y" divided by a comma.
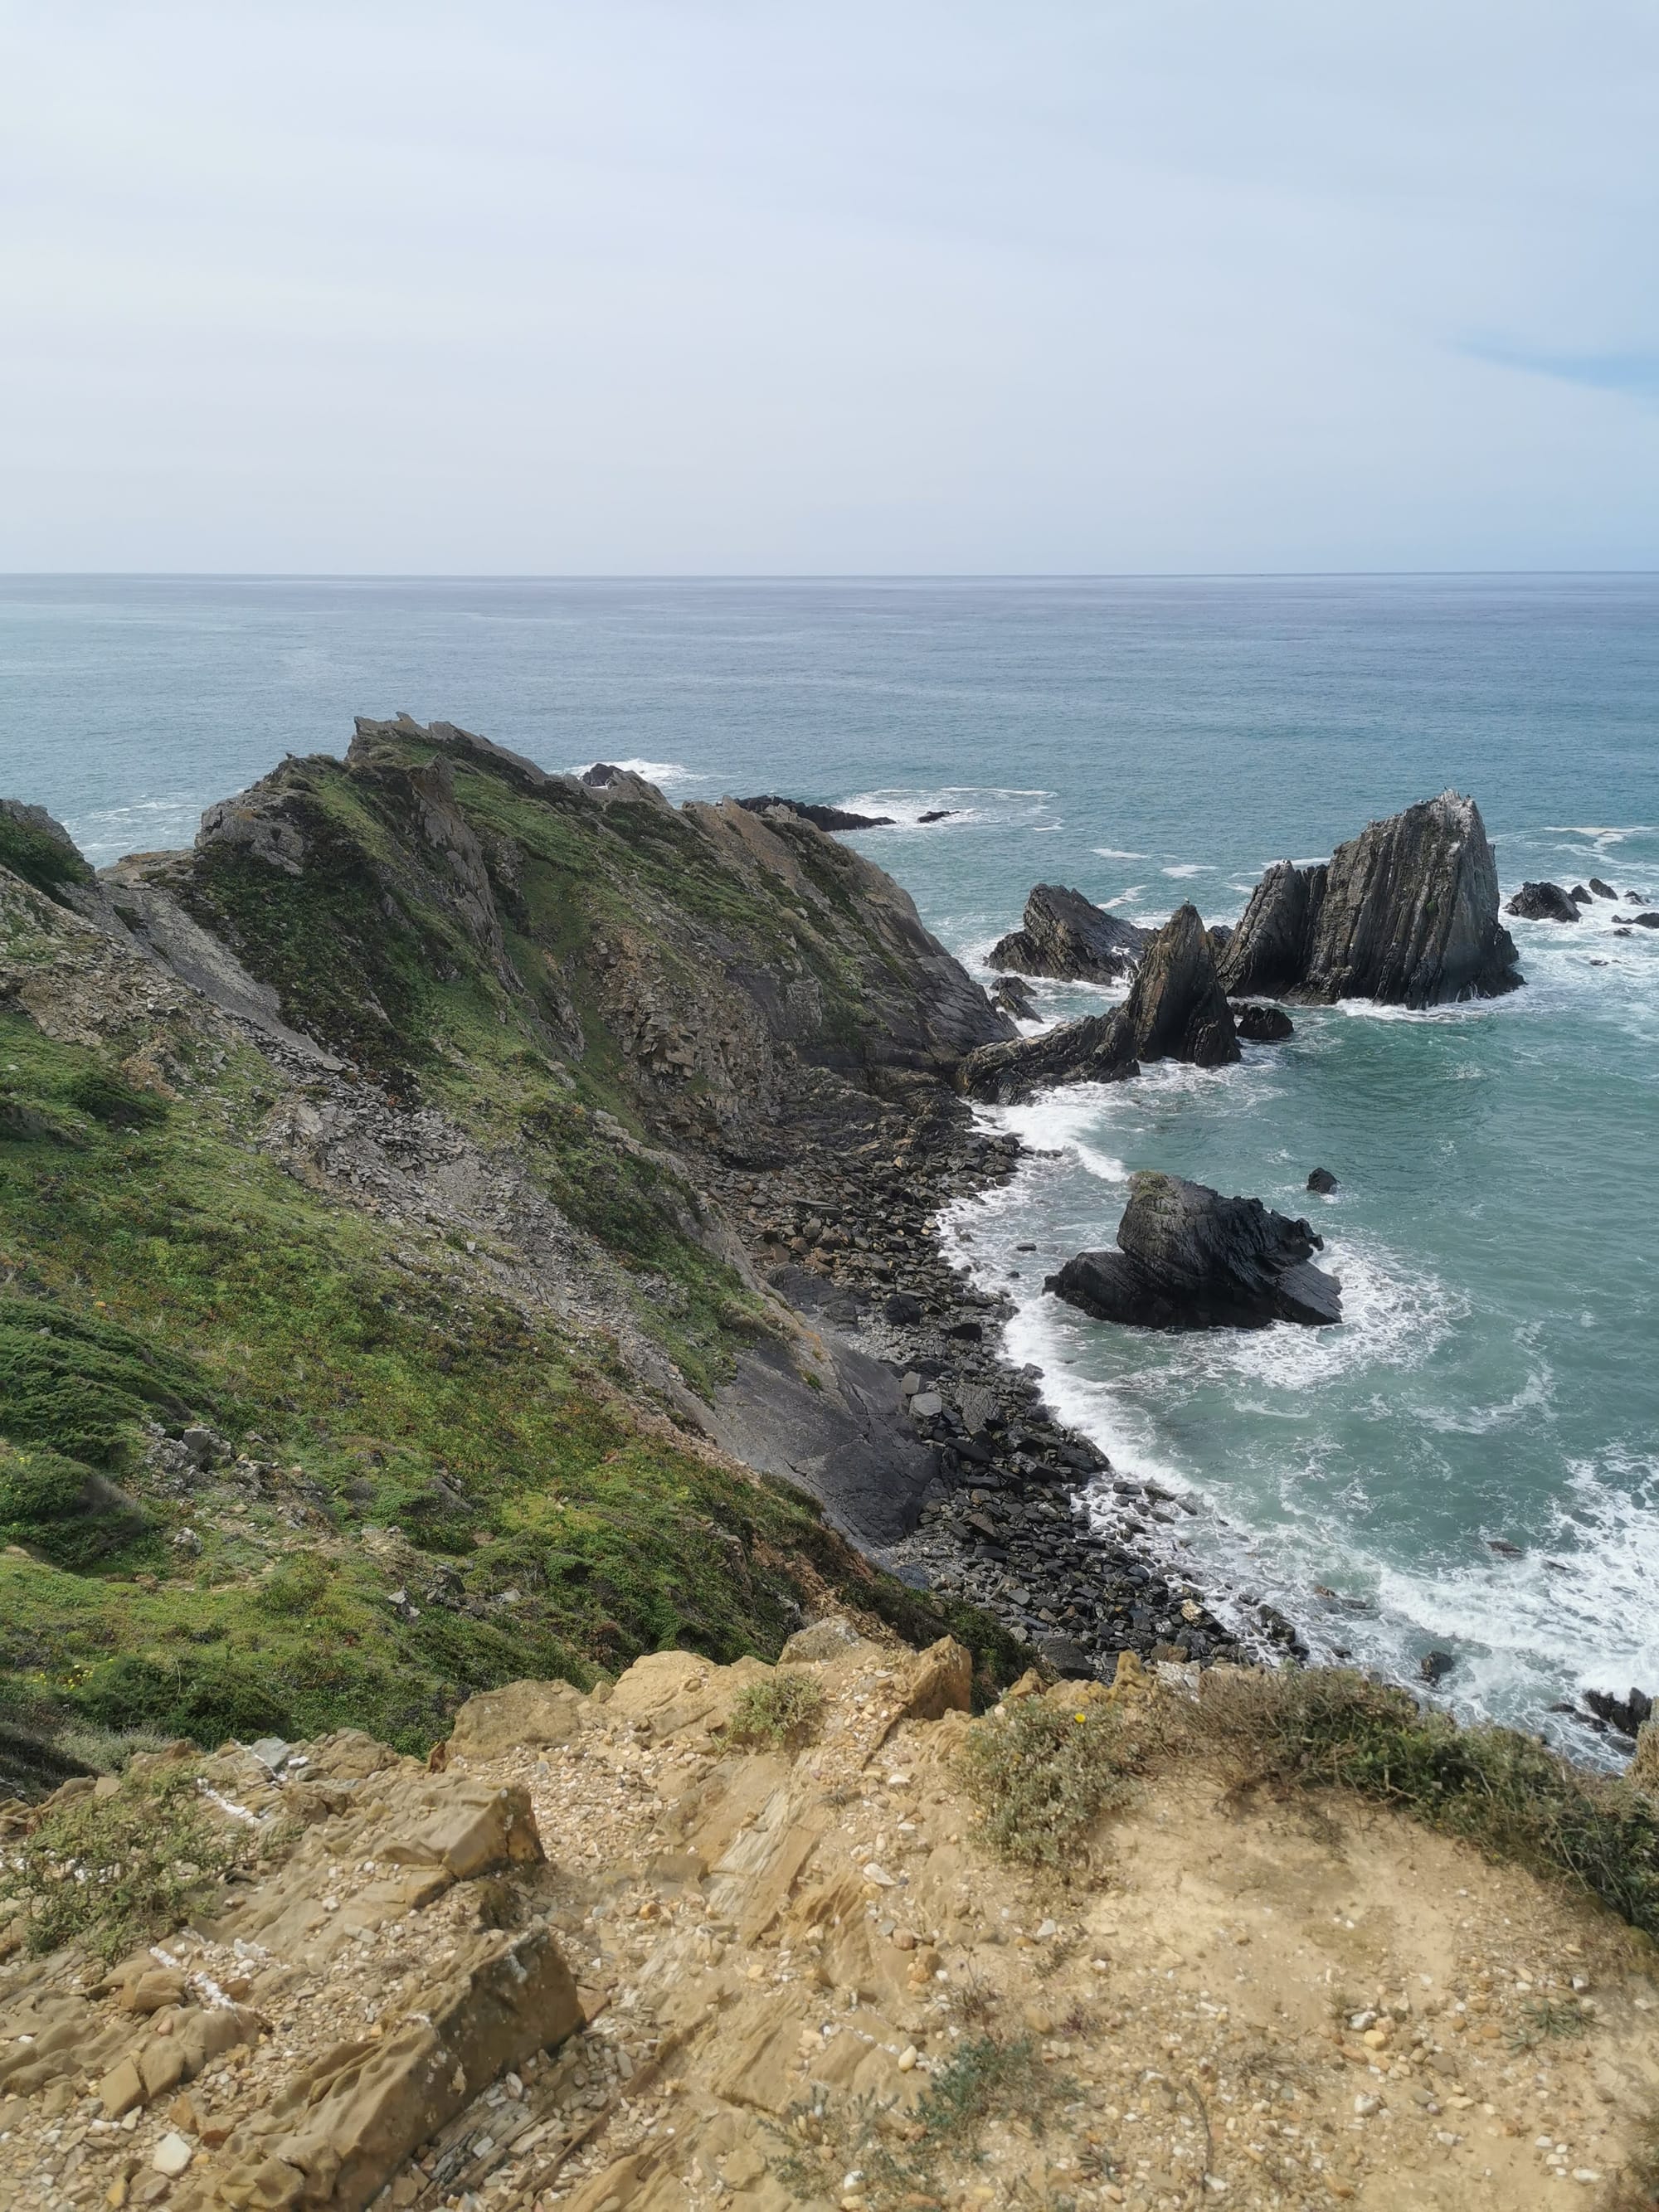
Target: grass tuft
{"x": 782, "y": 1710}
{"x": 117, "y": 1871}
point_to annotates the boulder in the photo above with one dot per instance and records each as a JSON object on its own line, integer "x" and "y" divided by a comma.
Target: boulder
{"x": 1070, "y": 940}
{"x": 519, "y": 1714}
{"x": 1013, "y": 998}
{"x": 1094, "y": 1050}
{"x": 832, "y": 1638}
{"x": 1260, "y": 1024}
{"x": 1601, "y": 888}
{"x": 1323, "y": 1182}
{"x": 1579, "y": 896}
{"x": 1188, "y": 1258}
{"x": 821, "y": 817}
{"x": 1646, "y": 921}
{"x": 1542, "y": 902}
{"x": 1406, "y": 913}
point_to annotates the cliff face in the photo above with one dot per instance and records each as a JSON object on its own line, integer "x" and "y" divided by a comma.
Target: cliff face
{"x": 1406, "y": 913}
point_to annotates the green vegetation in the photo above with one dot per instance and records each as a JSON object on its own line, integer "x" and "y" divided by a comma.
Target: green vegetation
{"x": 903, "y": 2152}
{"x": 38, "y": 855}
{"x": 113, "y": 1872}
{"x": 1328, "y": 1728}
{"x": 782, "y": 1709}
{"x": 1042, "y": 1771}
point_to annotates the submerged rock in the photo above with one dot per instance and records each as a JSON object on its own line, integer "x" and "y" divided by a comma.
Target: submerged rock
{"x": 1257, "y": 1023}
{"x": 1188, "y": 1258}
{"x": 1013, "y": 998}
{"x": 1176, "y": 1010}
{"x": 1406, "y": 913}
{"x": 821, "y": 817}
{"x": 1542, "y": 902}
{"x": 1068, "y": 938}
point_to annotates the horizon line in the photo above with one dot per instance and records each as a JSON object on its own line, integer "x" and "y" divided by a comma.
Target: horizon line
{"x": 780, "y": 576}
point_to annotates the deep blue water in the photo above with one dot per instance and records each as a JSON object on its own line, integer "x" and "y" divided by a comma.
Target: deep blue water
{"x": 1144, "y": 740}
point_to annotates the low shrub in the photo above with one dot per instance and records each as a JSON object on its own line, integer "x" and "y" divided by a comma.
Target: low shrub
{"x": 779, "y": 1710}
{"x": 117, "y": 1871}
{"x": 1042, "y": 1769}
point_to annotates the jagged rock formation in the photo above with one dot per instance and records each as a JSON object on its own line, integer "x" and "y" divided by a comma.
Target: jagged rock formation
{"x": 1188, "y": 1258}
{"x": 1069, "y": 939}
{"x": 1543, "y": 902}
{"x": 1014, "y": 998}
{"x": 822, "y": 818}
{"x": 1176, "y": 1010}
{"x": 1406, "y": 913}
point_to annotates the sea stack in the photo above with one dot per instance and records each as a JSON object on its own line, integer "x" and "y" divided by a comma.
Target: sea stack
{"x": 1176, "y": 1010}
{"x": 1405, "y": 913}
{"x": 1188, "y": 1258}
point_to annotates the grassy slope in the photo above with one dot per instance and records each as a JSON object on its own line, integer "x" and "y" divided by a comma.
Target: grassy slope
{"x": 155, "y": 1266}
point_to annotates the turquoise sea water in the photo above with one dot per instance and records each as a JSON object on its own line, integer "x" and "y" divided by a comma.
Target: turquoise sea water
{"x": 1145, "y": 741}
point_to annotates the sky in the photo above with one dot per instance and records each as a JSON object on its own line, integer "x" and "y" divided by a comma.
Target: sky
{"x": 752, "y": 286}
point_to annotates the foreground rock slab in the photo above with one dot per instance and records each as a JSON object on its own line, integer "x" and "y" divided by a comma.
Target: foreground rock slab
{"x": 1406, "y": 913}
{"x": 1188, "y": 1258}
{"x": 772, "y": 1938}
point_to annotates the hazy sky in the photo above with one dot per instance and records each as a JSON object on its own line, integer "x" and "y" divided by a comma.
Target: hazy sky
{"x": 668, "y": 286}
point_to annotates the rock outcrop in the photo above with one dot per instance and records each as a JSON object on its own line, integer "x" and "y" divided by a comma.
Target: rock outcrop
{"x": 1188, "y": 1258}
{"x": 1406, "y": 913}
{"x": 1543, "y": 902}
{"x": 1176, "y": 1010}
{"x": 823, "y": 817}
{"x": 1069, "y": 939}
{"x": 1259, "y": 1024}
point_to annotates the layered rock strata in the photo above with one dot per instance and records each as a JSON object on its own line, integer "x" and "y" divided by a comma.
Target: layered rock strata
{"x": 1069, "y": 939}
{"x": 1406, "y": 913}
{"x": 1176, "y": 1010}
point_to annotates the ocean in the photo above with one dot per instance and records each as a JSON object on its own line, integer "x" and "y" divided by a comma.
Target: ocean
{"x": 1497, "y": 1223}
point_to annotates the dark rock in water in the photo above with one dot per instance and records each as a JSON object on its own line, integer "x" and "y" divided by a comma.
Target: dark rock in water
{"x": 1602, "y": 890}
{"x": 1012, "y": 997}
{"x": 1406, "y": 913}
{"x": 1435, "y": 1666}
{"x": 1065, "y": 1657}
{"x": 821, "y": 817}
{"x": 1636, "y": 898}
{"x": 1188, "y": 1258}
{"x": 1068, "y": 938}
{"x": 1176, "y": 1010}
{"x": 1646, "y": 921}
{"x": 1579, "y": 896}
{"x": 1260, "y": 1024}
{"x": 1271, "y": 948}
{"x": 1542, "y": 902}
{"x": 1503, "y": 1549}
{"x": 1323, "y": 1181}
{"x": 1625, "y": 1714}
{"x": 935, "y": 814}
